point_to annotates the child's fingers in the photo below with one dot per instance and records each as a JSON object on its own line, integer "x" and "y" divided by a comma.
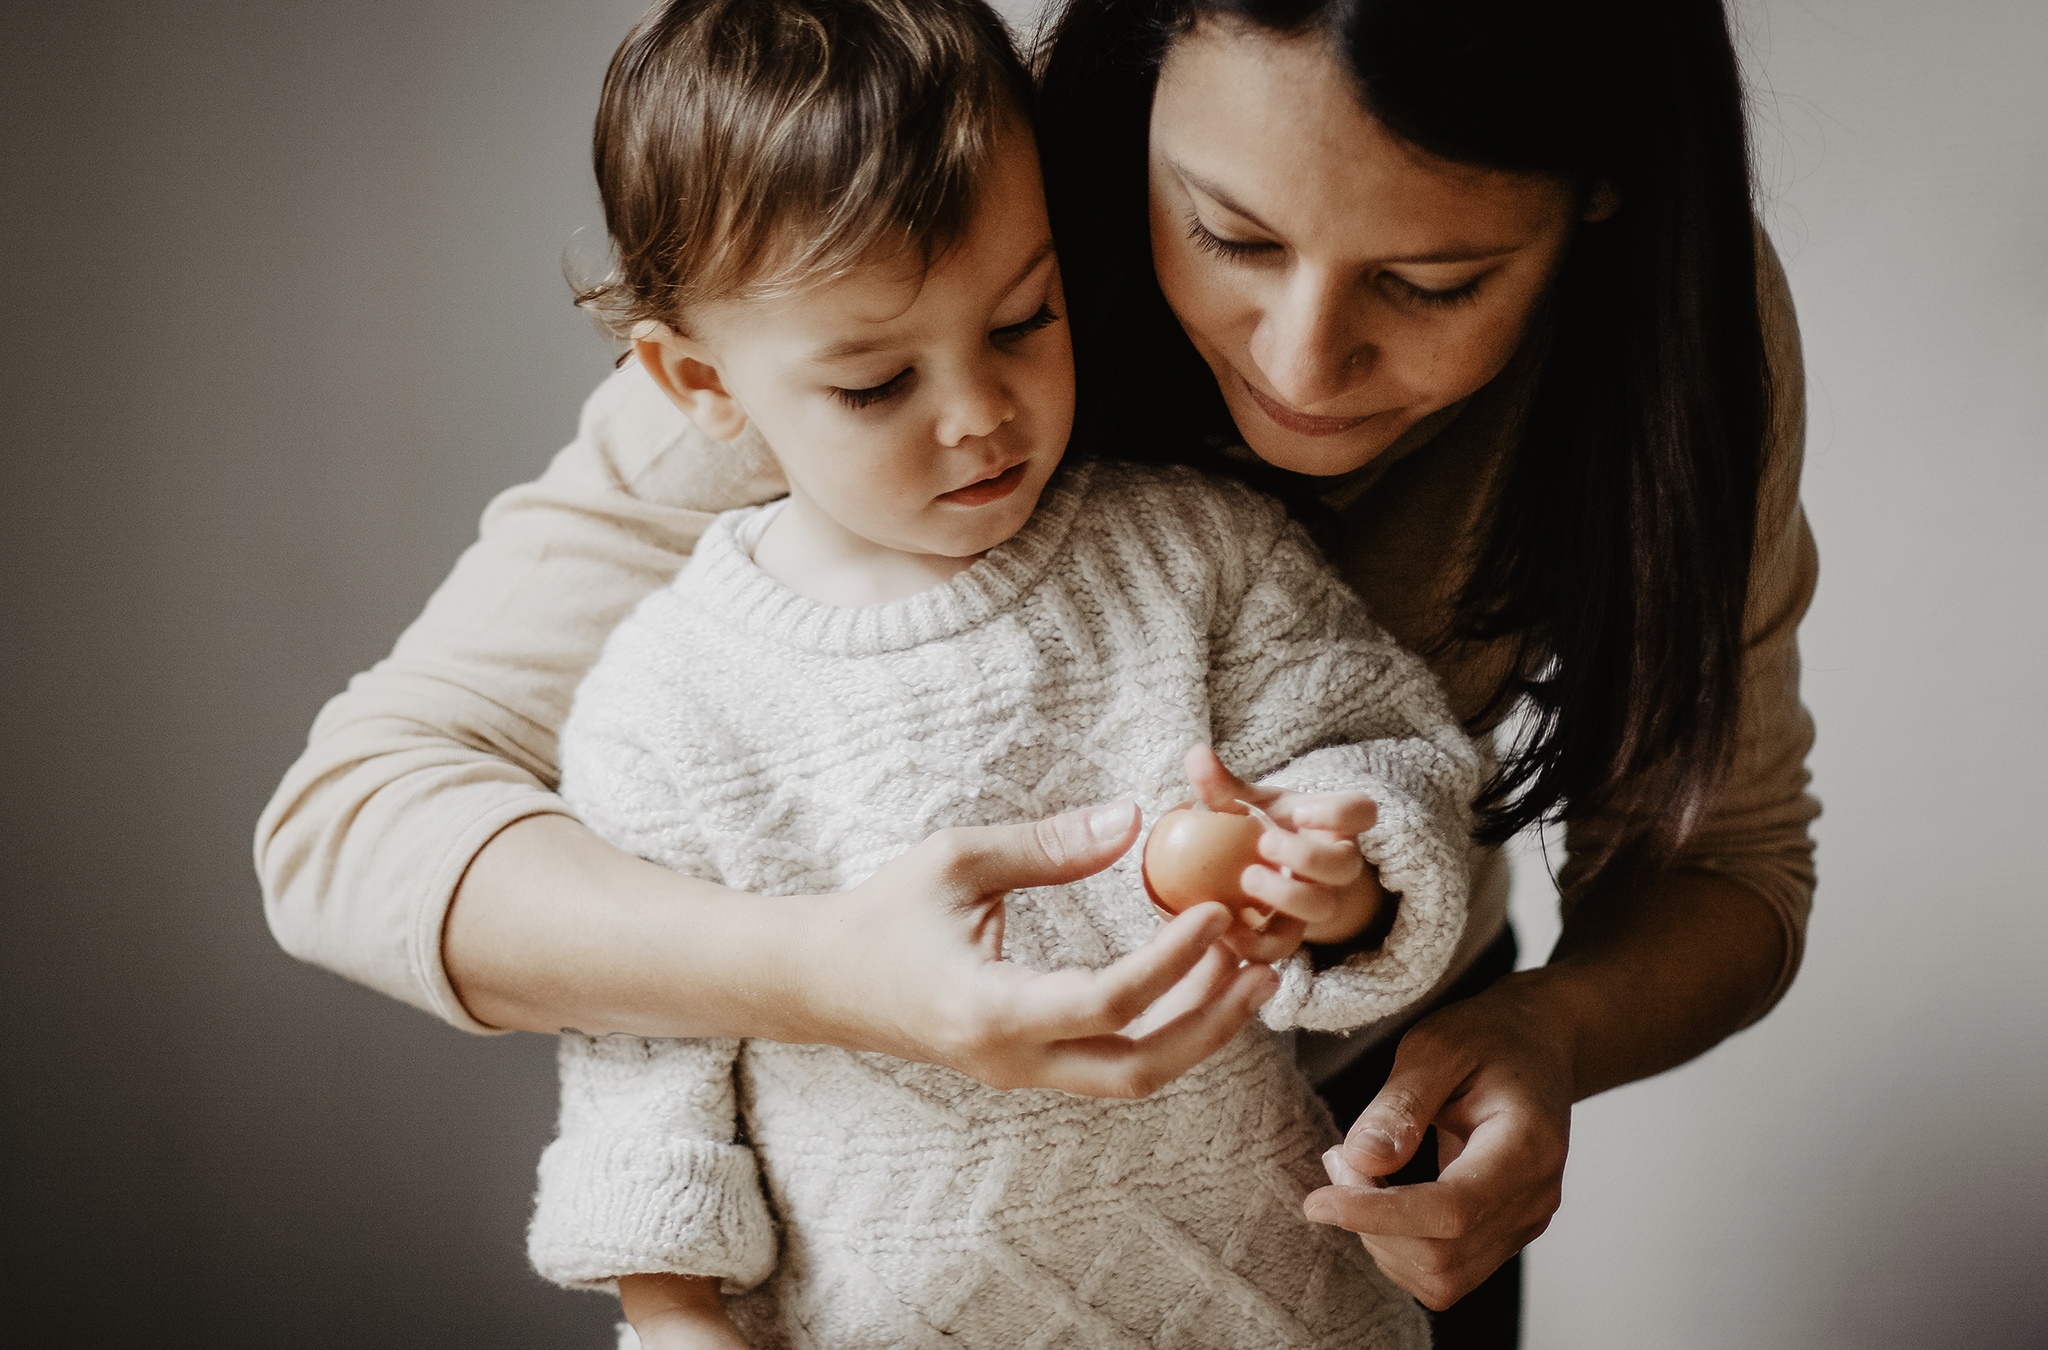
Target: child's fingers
{"x": 1345, "y": 813}
{"x": 1217, "y": 786}
{"x": 1309, "y": 901}
{"x": 1315, "y": 855}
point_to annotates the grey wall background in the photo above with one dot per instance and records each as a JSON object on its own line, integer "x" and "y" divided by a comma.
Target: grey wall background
{"x": 283, "y": 309}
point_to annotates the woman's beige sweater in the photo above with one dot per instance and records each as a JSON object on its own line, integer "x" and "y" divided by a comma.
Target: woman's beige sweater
{"x": 411, "y": 770}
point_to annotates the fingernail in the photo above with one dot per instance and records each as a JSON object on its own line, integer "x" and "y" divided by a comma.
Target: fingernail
{"x": 1108, "y": 823}
{"x": 1318, "y": 1210}
{"x": 1341, "y": 1172}
{"x": 1376, "y": 1141}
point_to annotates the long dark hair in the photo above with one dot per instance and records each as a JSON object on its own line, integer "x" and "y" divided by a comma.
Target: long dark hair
{"x": 1615, "y": 557}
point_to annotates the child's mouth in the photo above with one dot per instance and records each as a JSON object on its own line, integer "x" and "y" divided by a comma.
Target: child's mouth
{"x": 988, "y": 489}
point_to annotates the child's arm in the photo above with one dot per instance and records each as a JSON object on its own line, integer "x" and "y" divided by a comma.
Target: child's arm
{"x": 1313, "y": 702}
{"x": 645, "y": 1175}
{"x": 678, "y": 1312}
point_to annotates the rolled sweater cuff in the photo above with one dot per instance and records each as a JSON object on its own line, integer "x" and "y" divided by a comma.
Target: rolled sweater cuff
{"x": 1419, "y": 842}
{"x": 612, "y": 1205}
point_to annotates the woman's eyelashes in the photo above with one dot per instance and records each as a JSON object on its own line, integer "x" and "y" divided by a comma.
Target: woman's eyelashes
{"x": 1234, "y": 250}
{"x": 1244, "y": 250}
{"x": 1446, "y": 297}
{"x": 876, "y": 393}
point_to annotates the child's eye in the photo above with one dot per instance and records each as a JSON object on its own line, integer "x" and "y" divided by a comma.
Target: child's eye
{"x": 1044, "y": 318}
{"x": 1235, "y": 250}
{"x": 875, "y": 393}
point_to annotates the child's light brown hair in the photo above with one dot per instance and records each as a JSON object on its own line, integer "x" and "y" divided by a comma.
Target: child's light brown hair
{"x": 751, "y": 147}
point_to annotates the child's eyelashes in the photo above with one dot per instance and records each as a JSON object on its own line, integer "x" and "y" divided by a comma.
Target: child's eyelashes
{"x": 1044, "y": 318}
{"x": 875, "y": 393}
{"x": 902, "y": 380}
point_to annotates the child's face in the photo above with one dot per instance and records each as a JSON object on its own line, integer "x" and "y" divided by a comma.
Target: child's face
{"x": 918, "y": 410}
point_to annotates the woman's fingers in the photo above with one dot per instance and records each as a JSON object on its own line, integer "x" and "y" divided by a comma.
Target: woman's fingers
{"x": 1065, "y": 1004}
{"x": 1499, "y": 1093}
{"x": 1127, "y": 1066}
{"x": 988, "y": 860}
{"x": 1212, "y": 975}
{"x": 1278, "y": 940}
{"x": 1439, "y": 1240}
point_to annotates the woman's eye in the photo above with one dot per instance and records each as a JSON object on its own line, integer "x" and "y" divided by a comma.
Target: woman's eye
{"x": 875, "y": 393}
{"x": 1044, "y": 318}
{"x": 1446, "y": 298}
{"x": 1235, "y": 250}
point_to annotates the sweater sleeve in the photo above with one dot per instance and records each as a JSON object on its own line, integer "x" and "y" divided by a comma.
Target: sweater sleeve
{"x": 645, "y": 1176}
{"x": 427, "y": 755}
{"x": 1309, "y": 694}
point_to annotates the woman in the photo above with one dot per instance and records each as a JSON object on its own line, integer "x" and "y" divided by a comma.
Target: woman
{"x": 1474, "y": 284}
{"x": 1479, "y": 284}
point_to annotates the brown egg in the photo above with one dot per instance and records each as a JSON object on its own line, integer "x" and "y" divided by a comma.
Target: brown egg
{"x": 1193, "y": 856}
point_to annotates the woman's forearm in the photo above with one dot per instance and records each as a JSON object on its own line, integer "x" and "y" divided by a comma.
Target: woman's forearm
{"x": 1649, "y": 974}
{"x": 552, "y": 928}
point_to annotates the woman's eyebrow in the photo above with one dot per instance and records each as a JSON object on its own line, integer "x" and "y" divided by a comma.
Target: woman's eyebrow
{"x": 1216, "y": 194}
{"x": 1457, "y": 253}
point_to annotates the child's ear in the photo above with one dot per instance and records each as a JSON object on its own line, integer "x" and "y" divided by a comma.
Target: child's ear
{"x": 692, "y": 384}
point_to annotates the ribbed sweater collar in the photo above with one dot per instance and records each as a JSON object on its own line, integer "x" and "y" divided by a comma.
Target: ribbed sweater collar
{"x": 725, "y": 579}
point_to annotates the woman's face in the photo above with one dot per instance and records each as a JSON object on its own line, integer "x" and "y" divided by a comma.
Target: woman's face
{"x": 1341, "y": 284}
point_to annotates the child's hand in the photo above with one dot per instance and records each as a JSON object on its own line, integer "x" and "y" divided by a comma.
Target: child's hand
{"x": 678, "y": 1312}
{"x": 1326, "y": 892}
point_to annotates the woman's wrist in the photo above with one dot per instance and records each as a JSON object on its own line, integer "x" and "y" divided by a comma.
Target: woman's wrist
{"x": 1650, "y": 974}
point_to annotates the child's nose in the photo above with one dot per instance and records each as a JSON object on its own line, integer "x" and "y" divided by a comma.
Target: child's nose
{"x": 977, "y": 407}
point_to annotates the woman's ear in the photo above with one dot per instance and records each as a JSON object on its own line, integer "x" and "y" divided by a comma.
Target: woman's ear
{"x": 1602, "y": 202}
{"x": 692, "y": 384}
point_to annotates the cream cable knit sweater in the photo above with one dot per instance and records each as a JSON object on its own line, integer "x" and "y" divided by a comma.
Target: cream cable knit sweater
{"x": 737, "y": 731}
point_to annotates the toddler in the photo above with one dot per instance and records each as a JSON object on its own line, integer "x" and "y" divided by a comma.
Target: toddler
{"x": 832, "y": 242}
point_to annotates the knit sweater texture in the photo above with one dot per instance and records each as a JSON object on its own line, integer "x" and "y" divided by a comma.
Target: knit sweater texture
{"x": 740, "y": 732}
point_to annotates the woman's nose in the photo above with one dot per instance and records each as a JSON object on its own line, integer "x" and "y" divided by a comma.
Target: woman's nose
{"x": 1308, "y": 344}
{"x": 977, "y": 404}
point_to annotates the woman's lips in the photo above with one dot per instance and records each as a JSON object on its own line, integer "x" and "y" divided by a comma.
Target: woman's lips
{"x": 1301, "y": 424}
{"x": 988, "y": 489}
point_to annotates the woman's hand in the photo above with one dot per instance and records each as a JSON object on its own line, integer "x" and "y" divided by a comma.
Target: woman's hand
{"x": 912, "y": 964}
{"x": 1326, "y": 893}
{"x": 1497, "y": 1083}
{"x": 1651, "y": 970}
{"x": 552, "y": 928}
